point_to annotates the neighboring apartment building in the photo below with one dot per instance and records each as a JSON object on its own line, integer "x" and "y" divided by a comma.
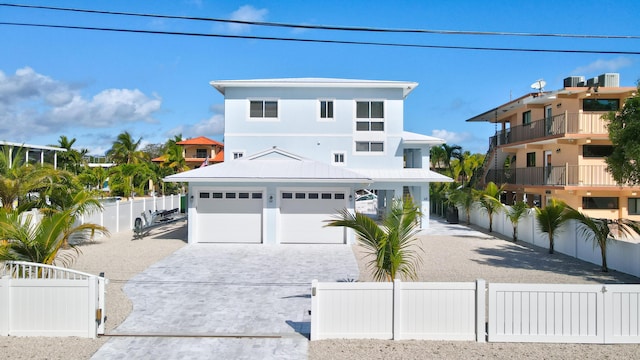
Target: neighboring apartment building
{"x": 552, "y": 144}
{"x": 199, "y": 151}
{"x": 297, "y": 150}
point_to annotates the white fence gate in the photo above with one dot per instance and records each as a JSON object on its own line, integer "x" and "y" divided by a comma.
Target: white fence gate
{"x": 564, "y": 313}
{"x": 43, "y": 300}
{"x": 412, "y": 310}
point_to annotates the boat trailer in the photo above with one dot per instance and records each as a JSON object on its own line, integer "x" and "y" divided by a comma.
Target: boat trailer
{"x": 149, "y": 220}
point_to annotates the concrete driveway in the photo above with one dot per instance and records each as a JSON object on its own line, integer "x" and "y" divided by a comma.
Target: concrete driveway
{"x": 224, "y": 301}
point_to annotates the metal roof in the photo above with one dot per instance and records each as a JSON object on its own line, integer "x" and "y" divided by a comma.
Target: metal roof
{"x": 419, "y": 139}
{"x": 404, "y": 175}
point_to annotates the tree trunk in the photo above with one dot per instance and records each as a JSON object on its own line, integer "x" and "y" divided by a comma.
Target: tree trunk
{"x": 550, "y": 244}
{"x": 490, "y": 223}
{"x": 603, "y": 252}
{"x": 515, "y": 233}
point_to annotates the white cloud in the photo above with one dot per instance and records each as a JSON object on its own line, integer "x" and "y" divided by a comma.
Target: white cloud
{"x": 452, "y": 138}
{"x": 33, "y": 104}
{"x": 212, "y": 127}
{"x": 246, "y": 13}
{"x": 600, "y": 66}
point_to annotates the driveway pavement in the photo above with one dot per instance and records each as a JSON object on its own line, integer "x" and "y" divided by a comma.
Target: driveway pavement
{"x": 226, "y": 302}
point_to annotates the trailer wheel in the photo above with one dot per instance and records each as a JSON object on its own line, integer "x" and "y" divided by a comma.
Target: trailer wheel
{"x": 137, "y": 227}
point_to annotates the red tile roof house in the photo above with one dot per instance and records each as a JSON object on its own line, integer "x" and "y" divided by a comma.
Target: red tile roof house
{"x": 198, "y": 151}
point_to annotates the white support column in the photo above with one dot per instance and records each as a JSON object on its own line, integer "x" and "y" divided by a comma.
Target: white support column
{"x": 315, "y": 311}
{"x": 481, "y": 309}
{"x": 41, "y": 157}
{"x": 55, "y": 159}
{"x": 397, "y": 310}
{"x": 425, "y": 206}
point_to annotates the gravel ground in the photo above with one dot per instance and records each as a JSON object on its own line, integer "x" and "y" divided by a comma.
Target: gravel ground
{"x": 463, "y": 257}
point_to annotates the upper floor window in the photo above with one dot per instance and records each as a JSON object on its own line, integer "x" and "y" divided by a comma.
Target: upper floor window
{"x": 373, "y": 111}
{"x": 526, "y": 117}
{"x": 338, "y": 158}
{"x": 369, "y": 146}
{"x": 634, "y": 206}
{"x": 600, "y": 104}
{"x": 531, "y": 159}
{"x": 326, "y": 109}
{"x": 263, "y": 109}
{"x": 600, "y": 202}
{"x": 201, "y": 153}
{"x": 238, "y": 154}
{"x": 596, "y": 151}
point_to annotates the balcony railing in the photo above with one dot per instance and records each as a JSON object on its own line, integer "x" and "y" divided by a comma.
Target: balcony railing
{"x": 567, "y": 175}
{"x": 561, "y": 124}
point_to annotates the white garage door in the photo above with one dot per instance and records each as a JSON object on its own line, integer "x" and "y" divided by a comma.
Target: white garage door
{"x": 229, "y": 217}
{"x": 303, "y": 215}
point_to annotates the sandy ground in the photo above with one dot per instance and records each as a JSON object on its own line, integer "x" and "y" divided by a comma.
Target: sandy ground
{"x": 464, "y": 257}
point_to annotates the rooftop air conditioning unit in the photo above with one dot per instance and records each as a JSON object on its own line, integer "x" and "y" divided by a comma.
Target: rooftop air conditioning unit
{"x": 592, "y": 82}
{"x": 609, "y": 80}
{"x": 573, "y": 81}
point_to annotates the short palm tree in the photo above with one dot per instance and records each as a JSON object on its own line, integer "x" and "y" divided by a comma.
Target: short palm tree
{"x": 28, "y": 239}
{"x": 464, "y": 197}
{"x": 550, "y": 218}
{"x": 392, "y": 244}
{"x": 601, "y": 230}
{"x": 515, "y": 213}
{"x": 489, "y": 200}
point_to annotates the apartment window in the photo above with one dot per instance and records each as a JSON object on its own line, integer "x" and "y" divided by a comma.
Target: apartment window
{"x": 338, "y": 159}
{"x": 373, "y": 111}
{"x": 596, "y": 151}
{"x": 263, "y": 109}
{"x": 238, "y": 154}
{"x": 526, "y": 117}
{"x": 369, "y": 146}
{"x": 201, "y": 153}
{"x": 326, "y": 109}
{"x": 599, "y": 203}
{"x": 531, "y": 159}
{"x": 600, "y": 104}
{"x": 634, "y": 206}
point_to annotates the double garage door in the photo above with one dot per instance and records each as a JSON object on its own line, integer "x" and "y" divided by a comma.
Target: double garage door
{"x": 236, "y": 216}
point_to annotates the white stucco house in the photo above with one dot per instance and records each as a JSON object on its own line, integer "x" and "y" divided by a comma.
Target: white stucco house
{"x": 297, "y": 150}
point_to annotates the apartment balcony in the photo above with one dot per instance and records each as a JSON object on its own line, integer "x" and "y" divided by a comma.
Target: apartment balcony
{"x": 587, "y": 123}
{"x": 567, "y": 175}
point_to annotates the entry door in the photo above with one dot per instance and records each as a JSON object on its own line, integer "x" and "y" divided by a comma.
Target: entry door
{"x": 548, "y": 119}
{"x": 547, "y": 168}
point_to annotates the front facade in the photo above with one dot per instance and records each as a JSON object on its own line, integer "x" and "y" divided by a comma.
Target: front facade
{"x": 553, "y": 145}
{"x": 299, "y": 150}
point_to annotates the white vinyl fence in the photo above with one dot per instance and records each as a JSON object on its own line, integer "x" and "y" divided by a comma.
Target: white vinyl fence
{"x": 43, "y": 300}
{"x": 554, "y": 313}
{"x": 397, "y": 310}
{"x": 621, "y": 255}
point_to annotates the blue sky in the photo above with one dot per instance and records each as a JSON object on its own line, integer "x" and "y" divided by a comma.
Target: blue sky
{"x": 92, "y": 85}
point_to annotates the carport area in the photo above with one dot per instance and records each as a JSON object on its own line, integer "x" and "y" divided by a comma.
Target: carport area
{"x": 228, "y": 301}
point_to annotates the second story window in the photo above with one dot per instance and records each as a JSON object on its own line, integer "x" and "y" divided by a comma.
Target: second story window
{"x": 326, "y": 109}
{"x": 263, "y": 109}
{"x": 201, "y": 153}
{"x": 600, "y": 104}
{"x": 370, "y": 115}
{"x": 369, "y": 146}
{"x": 526, "y": 117}
{"x": 531, "y": 159}
{"x": 338, "y": 158}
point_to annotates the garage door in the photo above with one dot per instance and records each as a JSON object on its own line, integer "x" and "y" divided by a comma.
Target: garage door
{"x": 229, "y": 216}
{"x": 303, "y": 215}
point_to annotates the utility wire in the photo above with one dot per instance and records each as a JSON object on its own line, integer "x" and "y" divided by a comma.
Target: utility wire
{"x": 324, "y": 40}
{"x": 327, "y": 27}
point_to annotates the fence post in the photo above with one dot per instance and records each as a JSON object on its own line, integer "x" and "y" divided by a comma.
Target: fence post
{"x": 480, "y": 310}
{"x": 101, "y": 303}
{"x": 315, "y": 316}
{"x": 396, "y": 333}
{"x": 5, "y": 301}
{"x": 92, "y": 325}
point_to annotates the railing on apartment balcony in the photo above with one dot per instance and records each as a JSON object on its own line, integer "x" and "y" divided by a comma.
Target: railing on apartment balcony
{"x": 561, "y": 124}
{"x": 567, "y": 175}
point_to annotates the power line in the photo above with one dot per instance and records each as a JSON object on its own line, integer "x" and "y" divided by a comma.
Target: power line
{"x": 325, "y": 41}
{"x": 328, "y": 27}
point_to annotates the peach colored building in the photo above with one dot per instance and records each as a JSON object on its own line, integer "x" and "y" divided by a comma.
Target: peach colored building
{"x": 553, "y": 144}
{"x": 199, "y": 150}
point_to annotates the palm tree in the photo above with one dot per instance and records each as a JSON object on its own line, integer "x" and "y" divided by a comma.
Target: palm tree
{"x": 550, "y": 218}
{"x": 71, "y": 159}
{"x": 41, "y": 241}
{"x": 490, "y": 201}
{"x": 391, "y": 244}
{"x": 464, "y": 197}
{"x": 125, "y": 150}
{"x": 515, "y": 213}
{"x": 437, "y": 155}
{"x": 600, "y": 230}
{"x": 17, "y": 179}
{"x": 451, "y": 152}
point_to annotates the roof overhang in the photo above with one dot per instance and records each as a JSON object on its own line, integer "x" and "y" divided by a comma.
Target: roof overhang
{"x": 410, "y": 138}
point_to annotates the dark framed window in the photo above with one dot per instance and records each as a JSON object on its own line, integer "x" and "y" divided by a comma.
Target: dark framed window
{"x": 326, "y": 109}
{"x": 243, "y": 195}
{"x": 256, "y": 195}
{"x": 338, "y": 196}
{"x": 301, "y": 195}
{"x": 338, "y": 158}
{"x": 526, "y": 117}
{"x": 596, "y": 151}
{"x": 204, "y": 195}
{"x": 201, "y": 153}
{"x": 370, "y": 109}
{"x": 216, "y": 195}
{"x": 263, "y": 109}
{"x": 369, "y": 146}
{"x": 326, "y": 196}
{"x": 599, "y": 202}
{"x": 600, "y": 104}
{"x": 313, "y": 195}
{"x": 634, "y": 206}
{"x": 230, "y": 195}
{"x": 287, "y": 195}
{"x": 531, "y": 159}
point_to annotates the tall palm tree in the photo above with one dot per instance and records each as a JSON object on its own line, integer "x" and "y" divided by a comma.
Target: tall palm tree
{"x": 490, "y": 201}
{"x": 41, "y": 241}
{"x": 436, "y": 156}
{"x": 392, "y": 245}
{"x": 550, "y": 218}
{"x": 71, "y": 159}
{"x": 601, "y": 230}
{"x": 515, "y": 213}
{"x": 451, "y": 152}
{"x": 125, "y": 150}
